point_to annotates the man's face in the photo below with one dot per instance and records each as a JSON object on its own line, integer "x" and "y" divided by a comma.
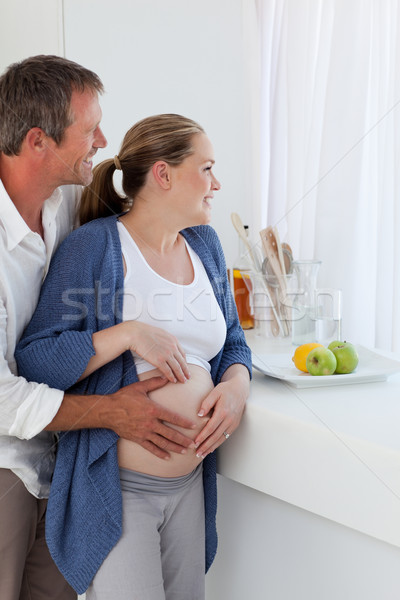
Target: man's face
{"x": 72, "y": 158}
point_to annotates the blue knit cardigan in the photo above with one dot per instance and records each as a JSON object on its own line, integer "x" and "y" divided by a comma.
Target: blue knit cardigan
{"x": 81, "y": 295}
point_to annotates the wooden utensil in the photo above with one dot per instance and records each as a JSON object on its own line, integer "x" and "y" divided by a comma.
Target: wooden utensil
{"x": 271, "y": 284}
{"x": 238, "y": 225}
{"x": 271, "y": 251}
{"x": 276, "y": 326}
{"x": 280, "y": 252}
{"x": 287, "y": 258}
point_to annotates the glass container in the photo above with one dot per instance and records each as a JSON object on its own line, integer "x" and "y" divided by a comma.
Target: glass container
{"x": 242, "y": 286}
{"x": 304, "y": 303}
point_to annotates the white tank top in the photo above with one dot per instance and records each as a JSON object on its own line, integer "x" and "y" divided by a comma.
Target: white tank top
{"x": 189, "y": 312}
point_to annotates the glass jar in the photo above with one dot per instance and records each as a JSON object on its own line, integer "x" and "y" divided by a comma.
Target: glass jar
{"x": 303, "y": 305}
{"x": 242, "y": 287}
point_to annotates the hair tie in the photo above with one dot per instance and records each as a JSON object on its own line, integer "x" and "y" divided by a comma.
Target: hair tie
{"x": 117, "y": 163}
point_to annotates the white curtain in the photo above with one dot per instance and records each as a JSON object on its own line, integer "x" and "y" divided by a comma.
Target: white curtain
{"x": 326, "y": 89}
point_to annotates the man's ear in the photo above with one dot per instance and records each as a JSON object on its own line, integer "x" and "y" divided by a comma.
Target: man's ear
{"x": 162, "y": 174}
{"x": 36, "y": 140}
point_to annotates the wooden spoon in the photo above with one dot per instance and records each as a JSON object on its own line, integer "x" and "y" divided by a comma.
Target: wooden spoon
{"x": 279, "y": 250}
{"x": 287, "y": 257}
{"x": 271, "y": 250}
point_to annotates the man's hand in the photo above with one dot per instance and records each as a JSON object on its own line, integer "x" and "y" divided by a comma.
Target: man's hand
{"x": 137, "y": 418}
{"x": 131, "y": 414}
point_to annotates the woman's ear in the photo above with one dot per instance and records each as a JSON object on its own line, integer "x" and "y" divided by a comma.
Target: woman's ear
{"x": 162, "y": 174}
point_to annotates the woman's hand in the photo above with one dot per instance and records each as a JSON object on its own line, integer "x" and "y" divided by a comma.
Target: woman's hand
{"x": 160, "y": 349}
{"x": 225, "y": 406}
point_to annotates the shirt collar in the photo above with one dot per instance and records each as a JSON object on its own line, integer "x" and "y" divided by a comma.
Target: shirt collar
{"x": 14, "y": 225}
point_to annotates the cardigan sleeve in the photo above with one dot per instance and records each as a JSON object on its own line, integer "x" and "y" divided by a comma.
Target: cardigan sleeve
{"x": 57, "y": 344}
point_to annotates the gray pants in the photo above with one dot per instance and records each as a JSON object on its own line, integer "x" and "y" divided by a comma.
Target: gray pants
{"x": 27, "y": 571}
{"x": 161, "y": 554}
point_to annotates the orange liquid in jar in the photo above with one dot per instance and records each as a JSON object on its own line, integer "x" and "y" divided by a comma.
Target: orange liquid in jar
{"x": 242, "y": 299}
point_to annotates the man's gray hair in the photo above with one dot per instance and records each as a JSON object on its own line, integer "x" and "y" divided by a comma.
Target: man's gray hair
{"x": 36, "y": 92}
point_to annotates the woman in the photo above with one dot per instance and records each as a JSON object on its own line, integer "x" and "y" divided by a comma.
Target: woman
{"x": 128, "y": 297}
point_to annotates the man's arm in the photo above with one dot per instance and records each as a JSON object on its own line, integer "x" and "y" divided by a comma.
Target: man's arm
{"x": 26, "y": 408}
{"x": 131, "y": 414}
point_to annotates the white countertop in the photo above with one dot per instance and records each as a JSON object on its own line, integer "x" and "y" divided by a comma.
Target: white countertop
{"x": 334, "y": 451}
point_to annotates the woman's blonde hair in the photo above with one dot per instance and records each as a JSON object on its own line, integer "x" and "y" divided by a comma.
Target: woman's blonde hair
{"x": 165, "y": 137}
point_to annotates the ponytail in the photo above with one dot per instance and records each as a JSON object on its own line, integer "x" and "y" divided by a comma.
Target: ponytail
{"x": 99, "y": 199}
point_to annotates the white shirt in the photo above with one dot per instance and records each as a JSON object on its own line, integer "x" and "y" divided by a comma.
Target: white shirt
{"x": 26, "y": 408}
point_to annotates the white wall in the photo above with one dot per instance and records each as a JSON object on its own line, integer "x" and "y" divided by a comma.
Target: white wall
{"x": 154, "y": 56}
{"x": 171, "y": 56}
{"x": 29, "y": 27}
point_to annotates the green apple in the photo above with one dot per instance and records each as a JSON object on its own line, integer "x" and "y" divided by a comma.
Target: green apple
{"x": 346, "y": 357}
{"x": 321, "y": 361}
{"x": 335, "y": 343}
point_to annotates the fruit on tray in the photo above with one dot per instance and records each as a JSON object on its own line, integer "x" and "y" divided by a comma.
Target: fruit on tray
{"x": 321, "y": 361}
{"x": 300, "y": 355}
{"x": 346, "y": 356}
{"x": 338, "y": 358}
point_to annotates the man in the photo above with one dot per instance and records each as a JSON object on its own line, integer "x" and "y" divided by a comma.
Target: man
{"x": 49, "y": 132}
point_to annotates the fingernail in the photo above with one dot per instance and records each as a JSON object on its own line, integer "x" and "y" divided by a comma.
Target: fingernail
{"x": 200, "y": 413}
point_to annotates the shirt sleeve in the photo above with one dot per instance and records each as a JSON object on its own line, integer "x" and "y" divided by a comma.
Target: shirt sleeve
{"x": 26, "y": 408}
{"x": 57, "y": 343}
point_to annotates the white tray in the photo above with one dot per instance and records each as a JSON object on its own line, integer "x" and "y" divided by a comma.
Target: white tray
{"x": 371, "y": 367}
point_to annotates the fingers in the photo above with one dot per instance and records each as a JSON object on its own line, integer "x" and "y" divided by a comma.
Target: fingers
{"x": 183, "y": 368}
{"x": 148, "y": 385}
{"x": 208, "y": 403}
{"x": 180, "y": 445}
{"x": 161, "y": 349}
{"x": 156, "y": 450}
{"x": 169, "y": 417}
{"x": 175, "y": 369}
{"x": 226, "y": 417}
{"x": 202, "y": 453}
{"x": 212, "y": 435}
{"x": 165, "y": 441}
{"x": 161, "y": 447}
{"x": 178, "y": 366}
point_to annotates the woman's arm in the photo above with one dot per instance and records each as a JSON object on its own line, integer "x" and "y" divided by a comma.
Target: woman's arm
{"x": 156, "y": 346}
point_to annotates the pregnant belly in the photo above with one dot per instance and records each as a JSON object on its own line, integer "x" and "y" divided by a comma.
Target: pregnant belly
{"x": 184, "y": 399}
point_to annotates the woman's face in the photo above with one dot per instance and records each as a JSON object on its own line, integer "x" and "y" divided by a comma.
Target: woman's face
{"x": 195, "y": 182}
